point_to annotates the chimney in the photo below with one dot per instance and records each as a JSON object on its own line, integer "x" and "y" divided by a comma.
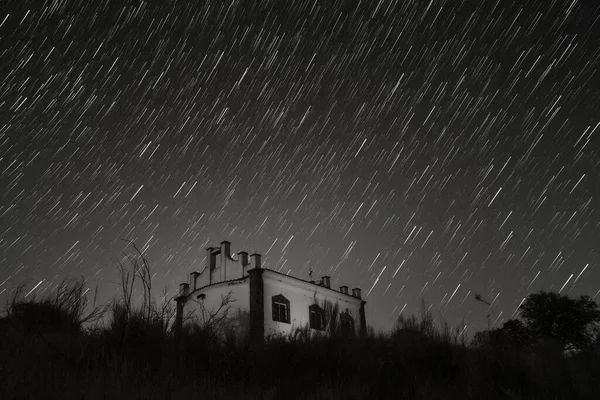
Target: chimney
{"x": 193, "y": 277}
{"x": 344, "y": 289}
{"x": 226, "y": 255}
{"x": 226, "y": 248}
{"x": 256, "y": 260}
{"x": 356, "y": 293}
{"x": 243, "y": 256}
{"x": 326, "y": 280}
{"x": 184, "y": 289}
{"x": 209, "y": 251}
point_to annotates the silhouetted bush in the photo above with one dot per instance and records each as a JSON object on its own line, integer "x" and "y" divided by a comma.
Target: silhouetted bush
{"x": 63, "y": 312}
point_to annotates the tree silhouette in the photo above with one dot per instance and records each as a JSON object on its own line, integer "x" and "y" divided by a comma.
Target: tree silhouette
{"x": 513, "y": 335}
{"x": 554, "y": 316}
{"x": 546, "y": 318}
{"x": 518, "y": 333}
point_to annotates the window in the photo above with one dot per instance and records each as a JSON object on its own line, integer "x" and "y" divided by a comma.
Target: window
{"x": 317, "y": 317}
{"x": 347, "y": 324}
{"x": 281, "y": 309}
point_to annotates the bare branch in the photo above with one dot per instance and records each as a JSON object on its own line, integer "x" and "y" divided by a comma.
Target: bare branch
{"x": 213, "y": 320}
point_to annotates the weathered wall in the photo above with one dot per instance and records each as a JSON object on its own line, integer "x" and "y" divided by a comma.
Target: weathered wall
{"x": 301, "y": 295}
{"x": 202, "y": 308}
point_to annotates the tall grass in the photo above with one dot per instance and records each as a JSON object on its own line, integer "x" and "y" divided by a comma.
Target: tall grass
{"x": 56, "y": 348}
{"x": 133, "y": 356}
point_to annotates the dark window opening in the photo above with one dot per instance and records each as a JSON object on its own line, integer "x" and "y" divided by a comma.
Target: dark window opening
{"x": 317, "y": 317}
{"x": 281, "y": 309}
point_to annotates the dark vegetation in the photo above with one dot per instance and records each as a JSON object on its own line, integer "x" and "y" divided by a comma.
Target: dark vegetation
{"x": 63, "y": 348}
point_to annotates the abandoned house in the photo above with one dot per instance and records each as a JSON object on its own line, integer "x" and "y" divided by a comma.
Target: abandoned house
{"x": 237, "y": 290}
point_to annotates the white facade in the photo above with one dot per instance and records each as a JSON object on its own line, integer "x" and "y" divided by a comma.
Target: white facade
{"x": 301, "y": 295}
{"x": 208, "y": 305}
{"x": 236, "y": 291}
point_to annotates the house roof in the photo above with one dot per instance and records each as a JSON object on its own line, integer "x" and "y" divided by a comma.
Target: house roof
{"x": 212, "y": 284}
{"x": 275, "y": 272}
{"x": 313, "y": 283}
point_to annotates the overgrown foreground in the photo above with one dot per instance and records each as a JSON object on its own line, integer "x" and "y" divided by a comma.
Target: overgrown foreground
{"x": 46, "y": 354}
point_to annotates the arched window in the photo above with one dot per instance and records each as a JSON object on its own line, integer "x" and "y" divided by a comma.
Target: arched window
{"x": 317, "y": 317}
{"x": 281, "y": 309}
{"x": 347, "y": 324}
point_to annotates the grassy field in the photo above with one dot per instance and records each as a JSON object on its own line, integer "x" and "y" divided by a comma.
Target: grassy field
{"x": 46, "y": 354}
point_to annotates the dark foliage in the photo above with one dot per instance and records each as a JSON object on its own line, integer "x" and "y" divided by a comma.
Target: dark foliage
{"x": 555, "y": 316}
{"x": 551, "y": 321}
{"x": 136, "y": 355}
{"x": 512, "y": 336}
{"x": 63, "y": 312}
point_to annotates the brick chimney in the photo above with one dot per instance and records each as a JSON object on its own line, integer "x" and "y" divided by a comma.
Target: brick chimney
{"x": 326, "y": 281}
{"x": 356, "y": 293}
{"x": 184, "y": 289}
{"x": 344, "y": 289}
{"x": 243, "y": 256}
{"x": 211, "y": 256}
{"x": 209, "y": 251}
{"x": 226, "y": 255}
{"x": 256, "y": 261}
{"x": 193, "y": 276}
{"x": 226, "y": 248}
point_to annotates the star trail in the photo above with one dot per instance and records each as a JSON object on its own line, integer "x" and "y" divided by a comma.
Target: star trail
{"x": 431, "y": 149}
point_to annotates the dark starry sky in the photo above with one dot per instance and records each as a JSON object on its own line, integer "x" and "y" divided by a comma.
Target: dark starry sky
{"x": 413, "y": 148}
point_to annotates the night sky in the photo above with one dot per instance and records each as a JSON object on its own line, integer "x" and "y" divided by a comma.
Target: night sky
{"x": 415, "y": 149}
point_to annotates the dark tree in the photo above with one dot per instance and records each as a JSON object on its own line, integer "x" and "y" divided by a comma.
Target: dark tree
{"x": 518, "y": 333}
{"x": 549, "y": 315}
{"x": 513, "y": 334}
